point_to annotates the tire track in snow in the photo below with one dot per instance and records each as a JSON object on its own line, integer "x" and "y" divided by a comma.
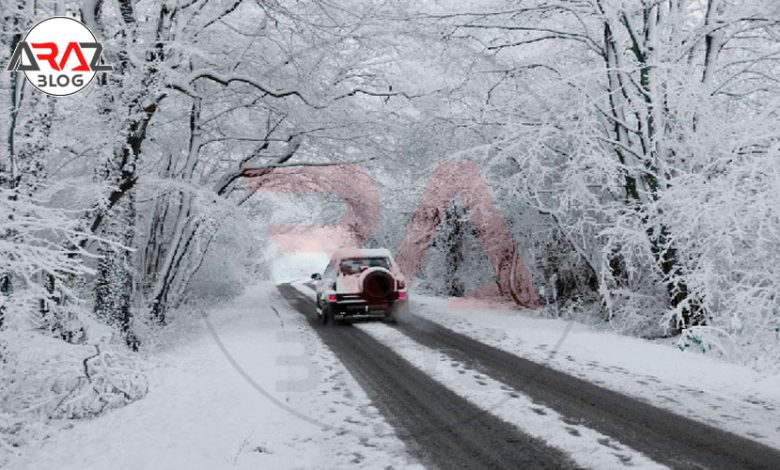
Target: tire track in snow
{"x": 668, "y": 438}
{"x": 586, "y": 447}
{"x": 440, "y": 427}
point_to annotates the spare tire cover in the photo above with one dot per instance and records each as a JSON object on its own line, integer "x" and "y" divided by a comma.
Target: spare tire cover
{"x": 377, "y": 285}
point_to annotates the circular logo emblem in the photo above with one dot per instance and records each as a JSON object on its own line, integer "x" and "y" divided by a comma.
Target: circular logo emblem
{"x": 61, "y": 56}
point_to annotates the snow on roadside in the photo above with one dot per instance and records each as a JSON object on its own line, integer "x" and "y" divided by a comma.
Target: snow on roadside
{"x": 585, "y": 446}
{"x": 727, "y": 396}
{"x": 207, "y": 406}
{"x": 305, "y": 288}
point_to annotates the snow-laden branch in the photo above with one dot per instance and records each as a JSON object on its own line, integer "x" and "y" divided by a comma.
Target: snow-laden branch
{"x": 560, "y": 34}
{"x": 185, "y": 86}
{"x": 250, "y": 171}
{"x": 383, "y": 94}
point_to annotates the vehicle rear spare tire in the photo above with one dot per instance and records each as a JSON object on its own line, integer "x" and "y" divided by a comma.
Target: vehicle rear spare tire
{"x": 379, "y": 286}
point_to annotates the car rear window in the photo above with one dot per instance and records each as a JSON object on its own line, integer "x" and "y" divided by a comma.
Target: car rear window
{"x": 352, "y": 265}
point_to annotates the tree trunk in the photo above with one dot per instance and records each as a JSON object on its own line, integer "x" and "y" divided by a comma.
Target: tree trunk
{"x": 9, "y": 173}
{"x": 176, "y": 248}
{"x": 454, "y": 250}
{"x": 114, "y": 283}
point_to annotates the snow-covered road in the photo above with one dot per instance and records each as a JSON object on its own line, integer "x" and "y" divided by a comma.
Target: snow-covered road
{"x": 259, "y": 384}
{"x": 591, "y": 423}
{"x": 687, "y": 383}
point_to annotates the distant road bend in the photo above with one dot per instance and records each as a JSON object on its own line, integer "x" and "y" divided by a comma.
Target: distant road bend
{"x": 444, "y": 430}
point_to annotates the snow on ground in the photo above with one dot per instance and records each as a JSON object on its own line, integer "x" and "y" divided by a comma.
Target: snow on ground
{"x": 306, "y": 288}
{"x": 728, "y": 396}
{"x": 585, "y": 446}
{"x": 287, "y": 267}
{"x": 251, "y": 387}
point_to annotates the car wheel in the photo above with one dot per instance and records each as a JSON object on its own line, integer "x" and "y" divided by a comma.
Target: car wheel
{"x": 331, "y": 316}
{"x": 325, "y": 314}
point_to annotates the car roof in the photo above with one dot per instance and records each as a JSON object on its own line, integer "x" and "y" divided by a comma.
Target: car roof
{"x": 362, "y": 253}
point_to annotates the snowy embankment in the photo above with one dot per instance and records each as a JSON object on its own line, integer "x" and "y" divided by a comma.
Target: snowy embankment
{"x": 727, "y": 396}
{"x": 251, "y": 387}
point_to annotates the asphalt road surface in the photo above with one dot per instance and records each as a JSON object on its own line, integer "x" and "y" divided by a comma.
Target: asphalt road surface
{"x": 443, "y": 430}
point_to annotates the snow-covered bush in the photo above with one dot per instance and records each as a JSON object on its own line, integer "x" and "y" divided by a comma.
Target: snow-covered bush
{"x": 725, "y": 221}
{"x": 51, "y": 379}
{"x": 75, "y": 381}
{"x": 227, "y": 266}
{"x": 55, "y": 362}
{"x": 40, "y": 252}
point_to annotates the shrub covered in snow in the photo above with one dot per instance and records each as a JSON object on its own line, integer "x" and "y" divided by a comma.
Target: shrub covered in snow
{"x": 56, "y": 361}
{"x": 51, "y": 379}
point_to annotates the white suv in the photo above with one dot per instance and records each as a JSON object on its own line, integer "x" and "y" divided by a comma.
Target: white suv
{"x": 360, "y": 283}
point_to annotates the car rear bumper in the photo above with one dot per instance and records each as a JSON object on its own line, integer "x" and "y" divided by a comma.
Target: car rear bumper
{"x": 361, "y": 316}
{"x": 359, "y": 308}
{"x": 366, "y": 309}
{"x": 356, "y": 306}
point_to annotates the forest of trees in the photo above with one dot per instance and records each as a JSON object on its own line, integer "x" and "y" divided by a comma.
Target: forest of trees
{"x": 632, "y": 147}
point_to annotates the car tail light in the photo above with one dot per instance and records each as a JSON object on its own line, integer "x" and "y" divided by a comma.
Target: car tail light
{"x": 402, "y": 296}
{"x": 401, "y": 284}
{"x": 331, "y": 297}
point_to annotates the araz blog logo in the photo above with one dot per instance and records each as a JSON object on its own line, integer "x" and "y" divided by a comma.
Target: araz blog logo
{"x": 59, "y": 56}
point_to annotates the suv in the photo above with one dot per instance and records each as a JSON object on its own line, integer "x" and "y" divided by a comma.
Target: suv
{"x": 360, "y": 283}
